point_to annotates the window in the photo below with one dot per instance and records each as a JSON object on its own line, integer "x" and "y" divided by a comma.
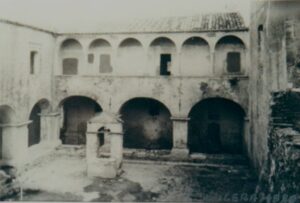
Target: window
{"x": 233, "y": 62}
{"x": 91, "y": 58}
{"x": 33, "y": 61}
{"x": 105, "y": 66}
{"x": 70, "y": 66}
{"x": 260, "y": 30}
{"x": 165, "y": 64}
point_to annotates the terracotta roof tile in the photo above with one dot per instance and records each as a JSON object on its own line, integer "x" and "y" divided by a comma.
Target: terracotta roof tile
{"x": 199, "y": 23}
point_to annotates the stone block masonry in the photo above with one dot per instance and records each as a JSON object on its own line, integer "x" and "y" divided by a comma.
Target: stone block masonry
{"x": 281, "y": 172}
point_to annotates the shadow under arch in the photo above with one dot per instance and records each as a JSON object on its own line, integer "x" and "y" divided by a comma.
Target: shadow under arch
{"x": 34, "y": 128}
{"x": 147, "y": 124}
{"x": 76, "y": 111}
{"x": 216, "y": 126}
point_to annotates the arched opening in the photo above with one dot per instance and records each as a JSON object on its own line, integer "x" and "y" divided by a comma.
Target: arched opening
{"x": 132, "y": 58}
{"x": 101, "y": 136}
{"x": 71, "y": 53}
{"x": 6, "y": 116}
{"x": 230, "y": 55}
{"x": 99, "y": 57}
{"x": 77, "y": 111}
{"x": 216, "y": 126}
{"x": 162, "y": 52}
{"x": 147, "y": 124}
{"x": 195, "y": 57}
{"x": 260, "y": 30}
{"x": 34, "y": 128}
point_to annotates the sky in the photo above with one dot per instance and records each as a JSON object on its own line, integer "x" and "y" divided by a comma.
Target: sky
{"x": 68, "y": 15}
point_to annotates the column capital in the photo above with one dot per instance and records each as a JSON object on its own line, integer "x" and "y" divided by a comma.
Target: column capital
{"x": 19, "y": 124}
{"x": 180, "y": 118}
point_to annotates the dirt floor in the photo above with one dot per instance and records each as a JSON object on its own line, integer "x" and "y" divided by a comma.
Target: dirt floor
{"x": 62, "y": 177}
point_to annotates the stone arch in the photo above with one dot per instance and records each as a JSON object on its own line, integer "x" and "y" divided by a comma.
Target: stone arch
{"x": 132, "y": 57}
{"x": 216, "y": 126}
{"x": 70, "y": 44}
{"x": 162, "y": 52}
{"x": 130, "y": 42}
{"x": 100, "y": 56}
{"x": 163, "y": 42}
{"x": 230, "y": 55}
{"x": 230, "y": 39}
{"x": 147, "y": 124}
{"x": 195, "y": 57}
{"x": 7, "y": 116}
{"x": 34, "y": 128}
{"x": 99, "y": 43}
{"x": 76, "y": 111}
{"x": 71, "y": 53}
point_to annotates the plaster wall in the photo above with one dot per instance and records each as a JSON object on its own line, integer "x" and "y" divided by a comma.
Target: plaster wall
{"x": 272, "y": 56}
{"x": 21, "y": 90}
{"x": 144, "y": 59}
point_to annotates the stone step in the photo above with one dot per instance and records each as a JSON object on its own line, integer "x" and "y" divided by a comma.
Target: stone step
{"x": 164, "y": 156}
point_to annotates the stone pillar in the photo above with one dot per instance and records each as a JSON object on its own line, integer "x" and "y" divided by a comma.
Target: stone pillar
{"x": 15, "y": 143}
{"x": 92, "y": 142}
{"x": 116, "y": 147}
{"x": 212, "y": 61}
{"x": 50, "y": 128}
{"x": 180, "y": 134}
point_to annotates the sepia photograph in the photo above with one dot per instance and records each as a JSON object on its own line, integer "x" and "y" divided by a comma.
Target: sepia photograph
{"x": 150, "y": 101}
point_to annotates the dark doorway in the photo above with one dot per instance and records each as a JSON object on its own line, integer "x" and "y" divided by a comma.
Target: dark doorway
{"x": 77, "y": 111}
{"x": 213, "y": 130}
{"x": 165, "y": 60}
{"x": 216, "y": 126}
{"x": 147, "y": 124}
{"x": 34, "y": 128}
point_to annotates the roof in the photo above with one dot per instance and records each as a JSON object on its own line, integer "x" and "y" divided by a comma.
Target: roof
{"x": 212, "y": 22}
{"x": 199, "y": 23}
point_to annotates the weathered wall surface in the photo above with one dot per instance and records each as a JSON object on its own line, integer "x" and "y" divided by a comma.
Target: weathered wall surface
{"x": 269, "y": 69}
{"x": 259, "y": 89}
{"x": 21, "y": 90}
{"x": 274, "y": 105}
{"x": 178, "y": 94}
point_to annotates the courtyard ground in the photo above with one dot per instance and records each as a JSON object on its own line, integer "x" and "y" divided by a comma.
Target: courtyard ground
{"x": 61, "y": 176}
